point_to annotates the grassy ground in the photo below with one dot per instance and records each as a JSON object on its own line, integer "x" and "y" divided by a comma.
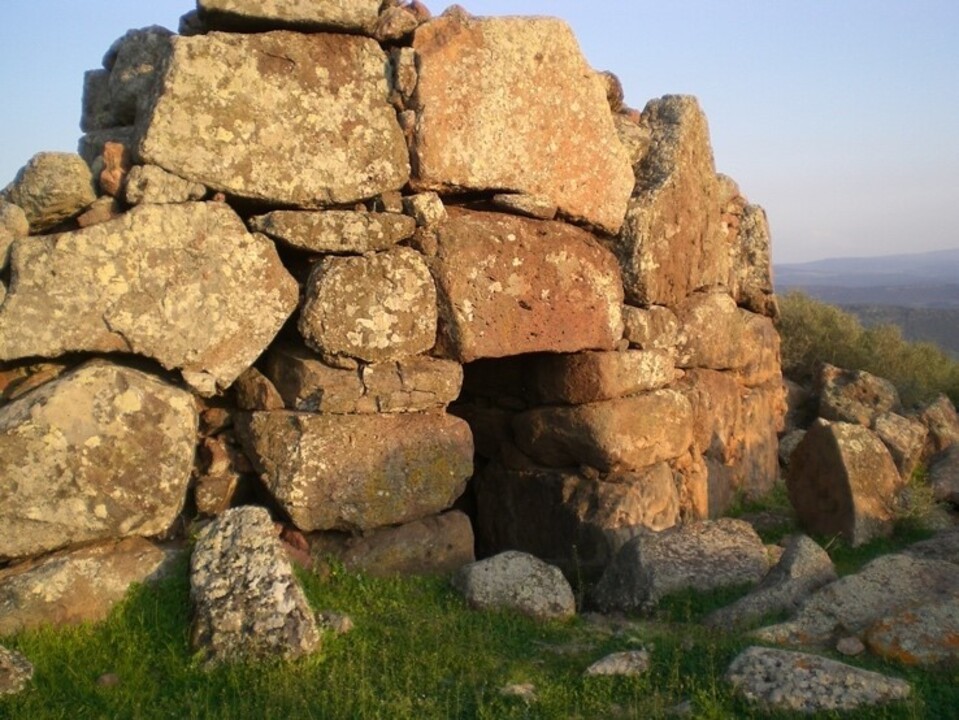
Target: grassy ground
{"x": 417, "y": 652}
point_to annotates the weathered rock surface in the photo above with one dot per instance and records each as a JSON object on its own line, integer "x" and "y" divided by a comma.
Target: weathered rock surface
{"x": 751, "y": 281}
{"x": 854, "y": 396}
{"x": 152, "y": 184}
{"x": 628, "y": 663}
{"x": 944, "y": 475}
{"x": 15, "y": 672}
{"x": 510, "y": 104}
{"x": 13, "y": 225}
{"x": 184, "y": 284}
{"x": 133, "y": 64}
{"x": 850, "y": 605}
{"x": 50, "y": 188}
{"x": 102, "y": 452}
{"x": 652, "y": 328}
{"x": 509, "y": 285}
{"x": 254, "y": 391}
{"x": 803, "y": 568}
{"x": 842, "y": 480}
{"x": 335, "y": 231}
{"x": 660, "y": 424}
{"x": 78, "y": 585}
{"x": 785, "y": 680}
{"x": 374, "y": 308}
{"x": 516, "y": 581}
{"x": 700, "y": 556}
{"x": 286, "y": 118}
{"x": 253, "y": 15}
{"x": 580, "y": 522}
{"x": 246, "y": 603}
{"x": 943, "y": 422}
{"x": 670, "y": 243}
{"x": 905, "y": 438}
{"x": 358, "y": 472}
{"x": 436, "y": 545}
{"x": 926, "y": 634}
{"x": 588, "y": 377}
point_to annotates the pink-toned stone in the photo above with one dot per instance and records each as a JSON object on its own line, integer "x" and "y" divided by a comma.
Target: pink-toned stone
{"x": 509, "y": 104}
{"x": 509, "y": 285}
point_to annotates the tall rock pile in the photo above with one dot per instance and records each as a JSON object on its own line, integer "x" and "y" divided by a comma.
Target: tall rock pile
{"x": 316, "y": 251}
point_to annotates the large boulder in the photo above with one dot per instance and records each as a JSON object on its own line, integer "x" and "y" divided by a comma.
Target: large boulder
{"x": 50, "y": 188}
{"x": 842, "y": 480}
{"x": 626, "y": 433}
{"x": 285, "y": 118}
{"x": 246, "y": 602}
{"x": 516, "y": 581}
{"x": 922, "y": 635}
{"x": 256, "y": 15}
{"x": 77, "y": 586}
{"x": 509, "y": 104}
{"x": 699, "y": 556}
{"x": 580, "y": 522}
{"x": 509, "y": 285}
{"x": 101, "y": 452}
{"x": 905, "y": 437}
{"x": 358, "y": 472}
{"x": 943, "y": 422}
{"x": 854, "y": 396}
{"x": 374, "y": 308}
{"x": 670, "y": 243}
{"x": 183, "y": 284}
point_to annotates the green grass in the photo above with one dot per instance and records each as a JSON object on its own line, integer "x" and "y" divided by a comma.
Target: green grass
{"x": 417, "y": 652}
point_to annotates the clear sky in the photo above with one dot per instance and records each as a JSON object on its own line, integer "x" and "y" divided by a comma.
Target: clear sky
{"x": 840, "y": 117}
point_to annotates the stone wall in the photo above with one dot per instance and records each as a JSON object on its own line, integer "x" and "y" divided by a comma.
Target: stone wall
{"x": 375, "y": 270}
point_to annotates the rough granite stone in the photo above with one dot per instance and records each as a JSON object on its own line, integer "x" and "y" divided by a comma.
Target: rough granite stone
{"x": 358, "y": 472}
{"x": 628, "y": 663}
{"x": 134, "y": 61}
{"x": 944, "y": 475}
{"x": 751, "y": 267}
{"x": 426, "y": 208}
{"x": 509, "y": 285}
{"x": 254, "y": 391}
{"x": 509, "y": 104}
{"x": 152, "y": 184}
{"x": 50, "y": 188}
{"x": 659, "y": 422}
{"x": 184, "y": 284}
{"x": 516, "y": 581}
{"x": 13, "y": 225}
{"x": 259, "y": 15}
{"x": 101, "y": 452}
{"x": 375, "y": 308}
{"x": 531, "y": 206}
{"x": 842, "y": 480}
{"x": 905, "y": 438}
{"x": 246, "y": 602}
{"x": 652, "y": 328}
{"x": 927, "y": 634}
{"x": 854, "y": 396}
{"x": 800, "y": 682}
{"x": 15, "y": 672}
{"x": 77, "y": 586}
{"x": 699, "y": 556}
{"x": 943, "y": 422}
{"x": 335, "y": 231}
{"x": 279, "y": 117}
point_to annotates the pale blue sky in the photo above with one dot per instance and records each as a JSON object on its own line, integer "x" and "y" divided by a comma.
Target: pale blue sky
{"x": 840, "y": 117}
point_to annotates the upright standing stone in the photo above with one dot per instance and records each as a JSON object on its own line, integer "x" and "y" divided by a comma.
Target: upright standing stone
{"x": 281, "y": 117}
{"x": 510, "y": 104}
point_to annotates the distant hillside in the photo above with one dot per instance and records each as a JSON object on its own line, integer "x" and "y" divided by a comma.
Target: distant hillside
{"x": 935, "y": 325}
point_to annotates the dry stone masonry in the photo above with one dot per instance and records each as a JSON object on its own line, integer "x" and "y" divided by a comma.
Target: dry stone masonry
{"x": 397, "y": 279}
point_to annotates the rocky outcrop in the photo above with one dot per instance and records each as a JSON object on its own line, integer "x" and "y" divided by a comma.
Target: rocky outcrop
{"x": 102, "y": 452}
{"x": 246, "y": 603}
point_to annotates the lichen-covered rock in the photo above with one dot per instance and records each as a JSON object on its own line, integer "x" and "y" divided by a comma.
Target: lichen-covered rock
{"x": 133, "y": 62}
{"x": 842, "y": 480}
{"x": 854, "y": 396}
{"x": 152, "y": 184}
{"x": 510, "y": 104}
{"x": 13, "y": 225}
{"x": 76, "y": 586}
{"x": 943, "y": 422}
{"x": 254, "y": 391}
{"x": 627, "y": 663}
{"x": 509, "y": 285}
{"x": 926, "y": 634}
{"x": 375, "y": 308}
{"x": 358, "y": 472}
{"x": 258, "y": 15}
{"x": 751, "y": 281}
{"x": 15, "y": 672}
{"x": 335, "y": 231}
{"x": 626, "y": 433}
{"x": 425, "y": 208}
{"x": 905, "y": 439}
{"x": 184, "y": 284}
{"x": 531, "y": 206}
{"x": 580, "y": 522}
{"x": 791, "y": 681}
{"x": 516, "y": 581}
{"x": 670, "y": 243}
{"x": 852, "y": 604}
{"x": 246, "y": 603}
{"x": 652, "y": 328}
{"x": 102, "y": 452}
{"x": 280, "y": 117}
{"x": 50, "y": 188}
{"x": 592, "y": 376}
{"x": 436, "y": 545}
{"x": 944, "y": 475}
{"x": 803, "y": 568}
{"x": 699, "y": 556}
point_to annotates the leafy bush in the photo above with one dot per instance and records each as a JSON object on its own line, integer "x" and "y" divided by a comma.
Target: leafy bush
{"x": 814, "y": 331}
